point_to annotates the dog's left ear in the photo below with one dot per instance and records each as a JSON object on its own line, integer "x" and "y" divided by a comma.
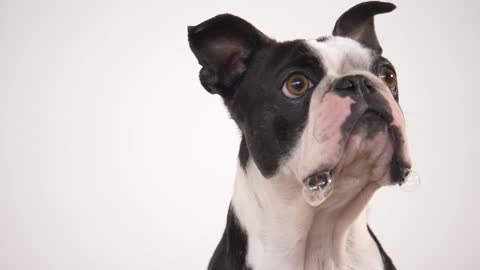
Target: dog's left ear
{"x": 357, "y": 23}
{"x": 223, "y": 46}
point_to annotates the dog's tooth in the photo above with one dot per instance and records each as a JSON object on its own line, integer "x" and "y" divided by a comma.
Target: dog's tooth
{"x": 411, "y": 182}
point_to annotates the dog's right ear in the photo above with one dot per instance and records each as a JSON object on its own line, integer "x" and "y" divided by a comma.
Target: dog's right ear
{"x": 357, "y": 23}
{"x": 223, "y": 46}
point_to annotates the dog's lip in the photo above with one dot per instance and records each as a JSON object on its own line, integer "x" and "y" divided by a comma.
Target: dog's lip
{"x": 402, "y": 167}
{"x": 388, "y": 118}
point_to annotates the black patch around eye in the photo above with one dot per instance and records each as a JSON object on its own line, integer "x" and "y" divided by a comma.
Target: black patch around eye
{"x": 380, "y": 62}
{"x": 271, "y": 122}
{"x": 281, "y": 128}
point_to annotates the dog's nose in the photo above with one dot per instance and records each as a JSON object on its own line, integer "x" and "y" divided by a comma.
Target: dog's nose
{"x": 353, "y": 84}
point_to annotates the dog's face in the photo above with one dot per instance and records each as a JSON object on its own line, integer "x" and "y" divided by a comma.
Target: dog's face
{"x": 306, "y": 107}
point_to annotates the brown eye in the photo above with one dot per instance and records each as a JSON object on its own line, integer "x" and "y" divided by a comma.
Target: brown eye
{"x": 296, "y": 85}
{"x": 389, "y": 77}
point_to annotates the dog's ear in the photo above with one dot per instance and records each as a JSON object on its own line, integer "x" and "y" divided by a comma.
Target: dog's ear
{"x": 223, "y": 46}
{"x": 357, "y": 23}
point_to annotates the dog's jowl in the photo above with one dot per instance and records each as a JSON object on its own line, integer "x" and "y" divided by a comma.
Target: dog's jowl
{"x": 308, "y": 110}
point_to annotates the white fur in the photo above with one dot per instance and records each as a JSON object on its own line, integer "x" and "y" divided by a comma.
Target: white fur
{"x": 284, "y": 232}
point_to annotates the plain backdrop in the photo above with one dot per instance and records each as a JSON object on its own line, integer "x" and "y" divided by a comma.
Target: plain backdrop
{"x": 112, "y": 155}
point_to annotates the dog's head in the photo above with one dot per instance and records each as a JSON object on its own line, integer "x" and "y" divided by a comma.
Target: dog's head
{"x": 308, "y": 106}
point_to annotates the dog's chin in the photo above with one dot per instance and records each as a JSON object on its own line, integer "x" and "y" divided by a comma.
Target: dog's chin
{"x": 368, "y": 151}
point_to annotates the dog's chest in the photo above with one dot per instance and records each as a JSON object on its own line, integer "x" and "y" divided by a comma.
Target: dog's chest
{"x": 282, "y": 246}
{"x": 360, "y": 252}
{"x": 287, "y": 235}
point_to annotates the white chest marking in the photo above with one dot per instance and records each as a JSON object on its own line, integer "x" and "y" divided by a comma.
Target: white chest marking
{"x": 285, "y": 233}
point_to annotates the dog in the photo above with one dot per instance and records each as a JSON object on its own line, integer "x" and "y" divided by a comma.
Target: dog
{"x": 313, "y": 114}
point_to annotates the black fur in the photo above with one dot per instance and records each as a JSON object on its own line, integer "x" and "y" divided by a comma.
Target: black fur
{"x": 223, "y": 46}
{"x": 387, "y": 262}
{"x": 243, "y": 154}
{"x": 357, "y": 23}
{"x": 397, "y": 167}
{"x": 232, "y": 249}
{"x": 248, "y": 70}
{"x": 270, "y": 121}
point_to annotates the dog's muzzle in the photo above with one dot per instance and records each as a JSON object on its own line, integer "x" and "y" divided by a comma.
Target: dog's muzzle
{"x": 355, "y": 105}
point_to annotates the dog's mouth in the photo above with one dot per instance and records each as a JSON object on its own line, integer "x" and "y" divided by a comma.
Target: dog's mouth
{"x": 318, "y": 186}
{"x": 374, "y": 121}
{"x": 352, "y": 142}
{"x": 369, "y": 124}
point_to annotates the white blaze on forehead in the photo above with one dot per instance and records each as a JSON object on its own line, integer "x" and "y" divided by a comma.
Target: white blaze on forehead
{"x": 342, "y": 55}
{"x": 321, "y": 143}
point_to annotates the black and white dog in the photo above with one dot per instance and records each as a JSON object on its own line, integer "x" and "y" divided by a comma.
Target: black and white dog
{"x": 306, "y": 109}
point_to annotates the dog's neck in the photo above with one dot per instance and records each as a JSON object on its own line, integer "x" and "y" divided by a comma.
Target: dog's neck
{"x": 284, "y": 232}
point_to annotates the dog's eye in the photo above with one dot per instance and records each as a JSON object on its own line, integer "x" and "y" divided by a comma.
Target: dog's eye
{"x": 296, "y": 85}
{"x": 389, "y": 77}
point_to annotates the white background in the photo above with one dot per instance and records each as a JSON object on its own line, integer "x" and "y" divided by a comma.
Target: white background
{"x": 112, "y": 155}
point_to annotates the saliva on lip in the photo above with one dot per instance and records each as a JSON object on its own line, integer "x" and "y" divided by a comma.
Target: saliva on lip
{"x": 317, "y": 188}
{"x": 411, "y": 182}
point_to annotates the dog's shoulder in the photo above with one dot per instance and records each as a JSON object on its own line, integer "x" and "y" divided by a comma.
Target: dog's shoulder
{"x": 387, "y": 261}
{"x": 232, "y": 249}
